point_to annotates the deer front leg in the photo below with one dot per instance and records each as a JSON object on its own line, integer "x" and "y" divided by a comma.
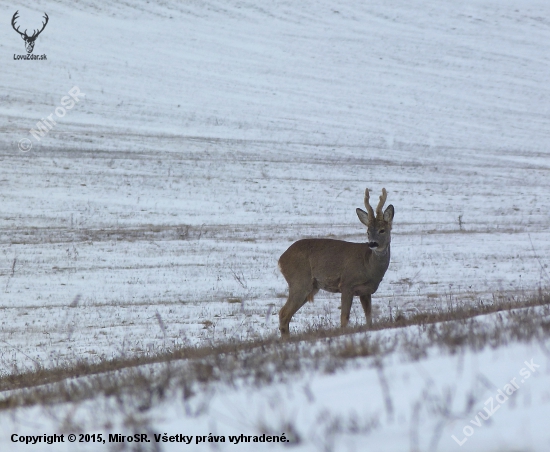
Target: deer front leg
{"x": 367, "y": 307}
{"x": 345, "y": 309}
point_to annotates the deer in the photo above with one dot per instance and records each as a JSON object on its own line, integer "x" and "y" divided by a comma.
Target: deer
{"x": 29, "y": 40}
{"x": 337, "y": 266}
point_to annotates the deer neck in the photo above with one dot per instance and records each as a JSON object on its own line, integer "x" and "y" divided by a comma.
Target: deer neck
{"x": 378, "y": 262}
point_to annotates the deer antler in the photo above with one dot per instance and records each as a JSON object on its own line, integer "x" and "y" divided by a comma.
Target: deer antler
{"x": 24, "y": 35}
{"x": 381, "y": 203}
{"x": 368, "y": 206}
{"x": 13, "y": 19}
{"x": 35, "y": 34}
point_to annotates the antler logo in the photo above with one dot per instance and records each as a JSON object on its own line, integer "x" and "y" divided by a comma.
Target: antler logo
{"x": 29, "y": 40}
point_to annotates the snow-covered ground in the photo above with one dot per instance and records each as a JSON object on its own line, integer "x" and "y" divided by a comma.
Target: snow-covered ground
{"x": 214, "y": 134}
{"x": 422, "y": 396}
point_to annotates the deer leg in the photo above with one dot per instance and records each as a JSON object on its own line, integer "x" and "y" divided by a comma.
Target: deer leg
{"x": 367, "y": 307}
{"x": 296, "y": 299}
{"x": 345, "y": 309}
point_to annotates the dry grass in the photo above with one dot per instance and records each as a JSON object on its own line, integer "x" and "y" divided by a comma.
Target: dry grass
{"x": 142, "y": 381}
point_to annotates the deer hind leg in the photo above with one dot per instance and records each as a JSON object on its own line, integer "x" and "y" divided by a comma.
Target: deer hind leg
{"x": 367, "y": 307}
{"x": 345, "y": 309}
{"x": 297, "y": 297}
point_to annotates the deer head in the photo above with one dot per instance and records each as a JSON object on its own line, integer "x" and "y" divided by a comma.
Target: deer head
{"x": 29, "y": 40}
{"x": 379, "y": 226}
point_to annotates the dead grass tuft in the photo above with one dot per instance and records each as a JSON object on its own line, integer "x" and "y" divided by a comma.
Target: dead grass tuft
{"x": 141, "y": 382}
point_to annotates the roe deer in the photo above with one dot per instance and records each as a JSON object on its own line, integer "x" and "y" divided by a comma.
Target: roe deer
{"x": 339, "y": 267}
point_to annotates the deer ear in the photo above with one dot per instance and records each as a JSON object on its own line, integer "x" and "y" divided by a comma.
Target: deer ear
{"x": 363, "y": 216}
{"x": 388, "y": 214}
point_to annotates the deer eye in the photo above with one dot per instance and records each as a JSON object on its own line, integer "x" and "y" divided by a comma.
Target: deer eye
{"x": 381, "y": 231}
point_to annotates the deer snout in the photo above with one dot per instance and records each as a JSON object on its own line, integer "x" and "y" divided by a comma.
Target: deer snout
{"x": 373, "y": 245}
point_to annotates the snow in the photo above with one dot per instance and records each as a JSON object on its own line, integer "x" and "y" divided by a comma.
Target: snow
{"x": 214, "y": 134}
{"x": 424, "y": 404}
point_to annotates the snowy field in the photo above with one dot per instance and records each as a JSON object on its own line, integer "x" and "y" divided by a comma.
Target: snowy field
{"x": 389, "y": 390}
{"x": 212, "y": 135}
